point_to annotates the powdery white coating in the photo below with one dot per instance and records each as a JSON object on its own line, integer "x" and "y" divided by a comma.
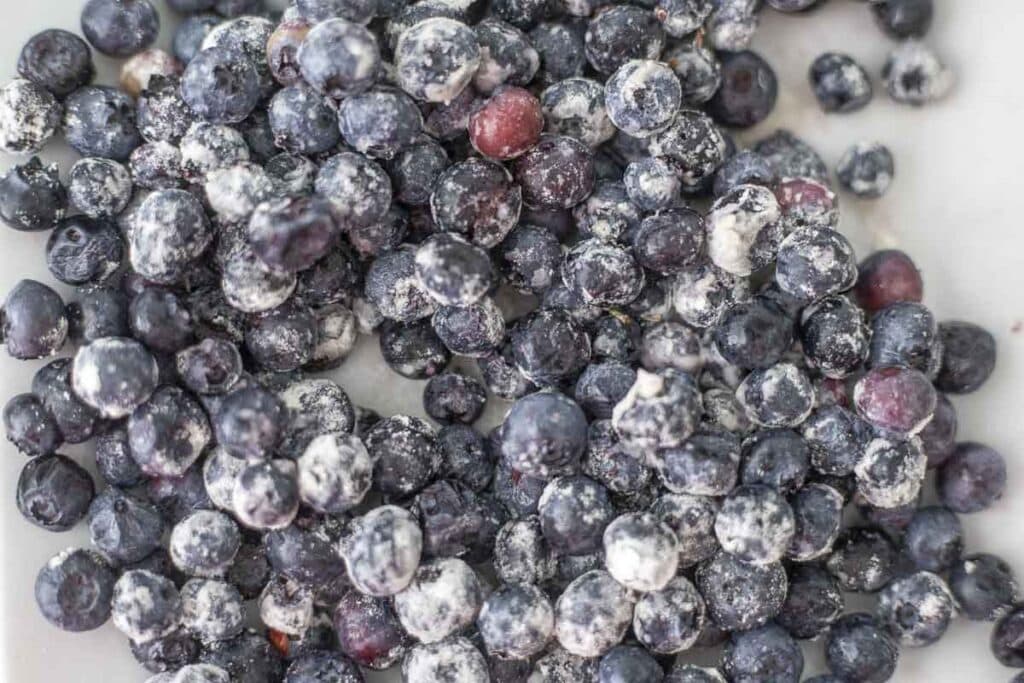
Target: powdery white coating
{"x": 702, "y": 293}
{"x": 914, "y": 74}
{"x": 691, "y": 673}
{"x": 436, "y": 59}
{"x": 756, "y": 524}
{"x": 137, "y": 71}
{"x": 204, "y": 544}
{"x": 732, "y": 24}
{"x": 734, "y": 224}
{"x": 660, "y": 410}
{"x": 198, "y": 673}
{"x": 576, "y": 107}
{"x": 593, "y": 614}
{"x": 671, "y": 619}
{"x": 561, "y": 666}
{"x": 169, "y": 231}
{"x": 286, "y": 606}
{"x": 383, "y": 550}
{"x": 779, "y": 396}
{"x": 97, "y": 377}
{"x": 693, "y": 143}
{"x": 444, "y": 597}
{"x": 220, "y": 470}
{"x": 692, "y": 518}
{"x": 335, "y": 473}
{"x": 642, "y": 97}
{"x": 814, "y": 263}
{"x": 917, "y": 608}
{"x": 889, "y": 474}
{"x": 250, "y": 285}
{"x": 145, "y": 606}
{"x": 337, "y": 334}
{"x": 640, "y": 551}
{"x": 212, "y": 610}
{"x": 339, "y": 58}
{"x": 258, "y": 500}
{"x": 450, "y": 661}
{"x": 358, "y": 188}
{"x": 652, "y": 184}
{"x": 516, "y": 621}
{"x": 807, "y": 546}
{"x": 671, "y": 345}
{"x": 29, "y": 117}
{"x": 99, "y": 187}
{"x": 497, "y": 69}
{"x": 234, "y": 192}
{"x": 521, "y": 554}
{"x": 207, "y": 147}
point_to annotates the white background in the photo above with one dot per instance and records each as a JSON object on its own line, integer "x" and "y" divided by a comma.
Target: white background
{"x": 957, "y": 206}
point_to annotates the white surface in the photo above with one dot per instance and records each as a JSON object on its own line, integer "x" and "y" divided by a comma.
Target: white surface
{"x": 955, "y": 207}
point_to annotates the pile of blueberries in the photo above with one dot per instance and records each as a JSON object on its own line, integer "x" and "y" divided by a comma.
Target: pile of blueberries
{"x": 703, "y": 381}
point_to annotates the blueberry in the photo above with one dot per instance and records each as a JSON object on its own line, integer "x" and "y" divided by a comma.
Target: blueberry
{"x": 100, "y": 122}
{"x": 741, "y": 596}
{"x": 415, "y": 169}
{"x": 30, "y": 426}
{"x": 282, "y": 340}
{"x": 755, "y": 524}
{"x": 211, "y": 610}
{"x": 247, "y": 658}
{"x": 778, "y": 396}
{"x": 57, "y": 60}
{"x": 815, "y": 263}
{"x": 54, "y": 492}
{"x": 83, "y": 250}
{"x": 204, "y": 544}
{"x": 863, "y": 560}
{"x": 32, "y": 196}
{"x": 691, "y": 673}
{"x": 478, "y": 199}
{"x": 114, "y": 459}
{"x": 266, "y": 495}
{"x": 778, "y": 458}
{"x": 285, "y": 606}
{"x": 747, "y": 92}
{"x": 549, "y": 347}
{"x": 642, "y": 96}
{"x": 302, "y": 122}
{"x": 156, "y": 166}
{"x": 660, "y": 410}
{"x": 544, "y": 434}
{"x": 167, "y": 654}
{"x": 629, "y": 663}
{"x": 792, "y": 157}
{"x": 866, "y": 170}
{"x": 592, "y": 614}
{"x": 454, "y": 658}
{"x": 840, "y": 83}
{"x": 379, "y": 123}
{"x": 968, "y": 357}
{"x": 557, "y": 173}
{"x": 653, "y": 185}
{"x": 464, "y": 456}
{"x": 73, "y": 590}
{"x": 706, "y": 464}
{"x": 124, "y": 528}
{"x": 190, "y": 34}
{"x": 934, "y": 539}
{"x": 561, "y": 51}
{"x": 857, "y": 648}
{"x": 368, "y": 630}
{"x": 521, "y": 553}
{"x": 742, "y": 227}
{"x": 1006, "y": 638}
{"x": 120, "y": 28}
{"x": 405, "y": 454}
{"x": 906, "y": 333}
{"x": 383, "y": 570}
{"x": 916, "y": 609}
{"x": 702, "y": 295}
{"x": 452, "y": 397}
{"x": 814, "y": 602}
{"x": 507, "y": 56}
{"x": 641, "y": 551}
{"x": 52, "y": 384}
{"x": 834, "y": 336}
{"x": 220, "y": 85}
{"x": 522, "y": 14}
{"x": 454, "y": 272}
{"x": 210, "y": 367}
{"x": 914, "y": 75}
{"x": 168, "y": 432}
{"x": 305, "y": 551}
{"x": 413, "y": 350}
{"x": 436, "y": 80}
{"x": 693, "y": 145}
{"x": 322, "y": 666}
{"x": 618, "y": 34}
{"x": 904, "y": 18}
{"x": 321, "y": 10}
{"x": 34, "y": 322}
{"x": 249, "y": 423}
{"x": 972, "y": 479}
{"x": 602, "y": 274}
{"x": 765, "y": 653}
{"x": 984, "y": 586}
{"x": 601, "y": 386}
{"x": 169, "y": 232}
{"x": 574, "y": 512}
{"x": 208, "y": 147}
{"x": 898, "y": 399}
{"x": 516, "y": 621}
{"x": 575, "y": 107}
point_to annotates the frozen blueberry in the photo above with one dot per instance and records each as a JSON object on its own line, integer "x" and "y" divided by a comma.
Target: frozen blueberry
{"x": 740, "y": 596}
{"x": 414, "y": 351}
{"x": 204, "y": 544}
{"x": 32, "y": 196}
{"x": 30, "y": 117}
{"x": 120, "y": 28}
{"x": 168, "y": 432}
{"x": 866, "y": 170}
{"x": 266, "y": 495}
{"x": 334, "y": 473}
{"x": 618, "y": 34}
{"x": 791, "y": 156}
{"x": 814, "y": 263}
{"x": 916, "y": 609}
{"x": 691, "y": 673}
{"x": 903, "y": 19}
{"x": 454, "y": 272}
{"x": 321, "y": 665}
{"x": 101, "y": 311}
{"x": 465, "y": 457}
{"x": 863, "y": 560}
{"x": 914, "y": 75}
{"x": 73, "y": 590}
{"x": 452, "y": 397}
{"x": 692, "y": 519}
{"x": 506, "y": 56}
{"x": 478, "y": 199}
{"x": 124, "y": 528}
{"x": 292, "y": 234}
{"x": 779, "y": 396}
{"x": 211, "y": 610}
{"x": 660, "y": 410}
{"x": 813, "y": 602}
{"x": 894, "y": 398}
{"x": 629, "y": 663}
{"x": 54, "y": 492}
{"x": 506, "y": 125}
{"x": 220, "y": 85}
{"x": 857, "y": 648}
{"x": 162, "y": 656}
{"x": 160, "y": 319}
{"x": 286, "y": 606}
{"x": 33, "y": 320}
{"x": 414, "y": 170}
{"x": 443, "y": 598}
{"x": 210, "y": 367}
{"x": 592, "y": 614}
{"x": 405, "y": 454}
{"x": 516, "y": 621}
{"x": 208, "y": 147}
{"x": 602, "y": 274}
{"x": 169, "y": 231}
{"x": 972, "y": 479}
{"x": 145, "y": 606}
{"x": 84, "y": 250}
{"x": 1006, "y": 638}
{"x": 706, "y": 464}
{"x": 575, "y": 107}
{"x": 695, "y": 147}
{"x": 574, "y": 512}
{"x": 521, "y": 553}
{"x": 747, "y": 92}
{"x": 607, "y": 214}
{"x": 156, "y": 166}
{"x": 669, "y": 620}
{"x": 642, "y": 96}
{"x": 741, "y": 226}
{"x": 52, "y": 384}
{"x": 818, "y": 512}
{"x": 766, "y": 653}
{"x": 906, "y": 333}
{"x": 436, "y": 58}
{"x": 984, "y": 586}
{"x": 968, "y": 357}
{"x": 602, "y": 386}
{"x": 561, "y": 51}
{"x": 453, "y": 659}
{"x": 549, "y": 347}
{"x": 368, "y": 631}
{"x": 889, "y": 473}
{"x": 702, "y": 294}
{"x": 778, "y": 458}
{"x": 114, "y": 376}
{"x": 755, "y": 524}
{"x": 100, "y": 122}
{"x": 641, "y": 551}
{"x": 557, "y": 173}
{"x": 839, "y": 83}
{"x": 235, "y": 192}
{"x": 247, "y": 658}
{"x": 249, "y": 423}
{"x": 653, "y": 185}
{"x": 393, "y": 287}
{"x": 743, "y": 168}
{"x": 30, "y": 426}
{"x": 934, "y": 539}
{"x": 379, "y": 123}
{"x": 834, "y": 336}
{"x": 283, "y": 339}
{"x": 339, "y": 58}
{"x": 544, "y": 434}
{"x": 99, "y": 187}
{"x": 58, "y": 60}
{"x": 283, "y": 48}
{"x": 190, "y": 34}
{"x": 669, "y": 241}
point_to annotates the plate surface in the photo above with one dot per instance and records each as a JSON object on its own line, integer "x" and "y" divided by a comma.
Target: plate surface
{"x": 956, "y": 206}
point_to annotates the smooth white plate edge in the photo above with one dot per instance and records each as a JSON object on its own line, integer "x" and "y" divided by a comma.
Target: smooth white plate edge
{"x": 954, "y": 207}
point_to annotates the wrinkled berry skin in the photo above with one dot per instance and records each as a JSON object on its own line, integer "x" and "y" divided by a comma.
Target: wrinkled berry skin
{"x": 550, "y": 347}
{"x": 32, "y": 196}
{"x": 84, "y": 250}
{"x": 972, "y": 479}
{"x": 58, "y": 60}
{"x": 984, "y": 586}
{"x": 916, "y": 609}
{"x": 748, "y": 91}
{"x": 840, "y": 84}
{"x": 30, "y": 427}
{"x": 557, "y": 173}
{"x": 100, "y": 121}
{"x": 120, "y": 28}
{"x": 220, "y": 85}
{"x": 741, "y": 596}
{"x": 864, "y": 560}
{"x": 54, "y": 492}
{"x": 73, "y": 590}
{"x": 968, "y": 357}
{"x": 33, "y": 321}
{"x": 53, "y": 385}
